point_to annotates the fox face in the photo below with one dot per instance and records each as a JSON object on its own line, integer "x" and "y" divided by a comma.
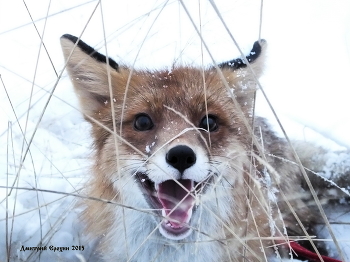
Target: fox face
{"x": 173, "y": 143}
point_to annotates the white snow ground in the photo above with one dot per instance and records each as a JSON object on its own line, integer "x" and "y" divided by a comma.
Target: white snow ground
{"x": 307, "y": 80}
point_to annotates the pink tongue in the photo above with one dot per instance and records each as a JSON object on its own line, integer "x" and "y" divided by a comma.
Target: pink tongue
{"x": 170, "y": 193}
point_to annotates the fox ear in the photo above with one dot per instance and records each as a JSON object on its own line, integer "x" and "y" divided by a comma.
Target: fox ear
{"x": 244, "y": 83}
{"x": 255, "y": 58}
{"x": 88, "y": 71}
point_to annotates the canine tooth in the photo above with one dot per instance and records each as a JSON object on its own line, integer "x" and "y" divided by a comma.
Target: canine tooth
{"x": 164, "y": 215}
{"x": 197, "y": 200}
{"x": 156, "y": 186}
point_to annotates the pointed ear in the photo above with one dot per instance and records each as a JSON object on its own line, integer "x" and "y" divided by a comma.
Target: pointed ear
{"x": 255, "y": 58}
{"x": 88, "y": 71}
{"x": 243, "y": 82}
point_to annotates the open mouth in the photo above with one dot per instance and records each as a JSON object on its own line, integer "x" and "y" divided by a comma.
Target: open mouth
{"x": 174, "y": 200}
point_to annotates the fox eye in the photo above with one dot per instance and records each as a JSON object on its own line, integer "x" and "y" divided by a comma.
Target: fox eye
{"x": 143, "y": 122}
{"x": 209, "y": 123}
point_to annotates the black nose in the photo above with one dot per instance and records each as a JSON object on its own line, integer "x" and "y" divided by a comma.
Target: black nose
{"x": 181, "y": 157}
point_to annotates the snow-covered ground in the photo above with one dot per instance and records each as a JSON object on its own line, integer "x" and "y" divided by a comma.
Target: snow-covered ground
{"x": 306, "y": 79}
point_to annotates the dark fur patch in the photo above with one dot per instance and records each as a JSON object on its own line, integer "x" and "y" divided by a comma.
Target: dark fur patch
{"x": 239, "y": 63}
{"x": 91, "y": 51}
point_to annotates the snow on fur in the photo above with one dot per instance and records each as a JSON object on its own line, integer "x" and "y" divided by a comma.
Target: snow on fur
{"x": 58, "y": 159}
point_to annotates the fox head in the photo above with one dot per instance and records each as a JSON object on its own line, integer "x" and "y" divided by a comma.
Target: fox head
{"x": 167, "y": 140}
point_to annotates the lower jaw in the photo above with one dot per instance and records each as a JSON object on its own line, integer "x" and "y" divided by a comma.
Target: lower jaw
{"x": 174, "y": 233}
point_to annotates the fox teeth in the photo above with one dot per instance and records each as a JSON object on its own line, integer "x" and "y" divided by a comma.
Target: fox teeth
{"x": 156, "y": 186}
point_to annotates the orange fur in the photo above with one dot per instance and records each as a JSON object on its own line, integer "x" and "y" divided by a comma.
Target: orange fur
{"x": 238, "y": 214}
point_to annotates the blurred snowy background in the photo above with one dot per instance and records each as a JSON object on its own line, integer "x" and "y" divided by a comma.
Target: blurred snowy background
{"x": 44, "y": 142}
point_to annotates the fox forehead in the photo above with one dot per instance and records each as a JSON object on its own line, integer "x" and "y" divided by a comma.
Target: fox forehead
{"x": 184, "y": 90}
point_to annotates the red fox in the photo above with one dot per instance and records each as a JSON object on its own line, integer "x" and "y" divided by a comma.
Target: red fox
{"x": 182, "y": 170}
